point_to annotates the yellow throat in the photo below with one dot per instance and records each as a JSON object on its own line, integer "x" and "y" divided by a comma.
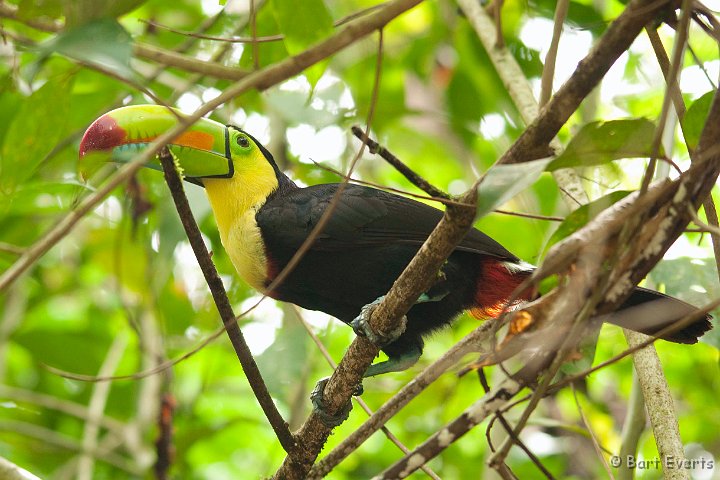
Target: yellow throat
{"x": 235, "y": 201}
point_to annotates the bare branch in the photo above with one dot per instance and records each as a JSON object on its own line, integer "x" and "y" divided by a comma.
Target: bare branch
{"x": 223, "y": 305}
{"x": 546, "y": 82}
{"x": 659, "y": 404}
{"x": 479, "y": 340}
{"x": 407, "y": 172}
{"x": 534, "y": 141}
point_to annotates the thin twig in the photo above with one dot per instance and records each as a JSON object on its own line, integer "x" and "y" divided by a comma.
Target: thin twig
{"x": 516, "y": 440}
{"x": 593, "y": 437}
{"x": 254, "y": 38}
{"x": 444, "y": 201}
{"x": 48, "y": 437}
{"x": 13, "y": 249}
{"x": 548, "y": 74}
{"x": 407, "y": 172}
{"x": 672, "y": 75}
{"x": 253, "y": 32}
{"x": 222, "y": 303}
{"x": 96, "y": 407}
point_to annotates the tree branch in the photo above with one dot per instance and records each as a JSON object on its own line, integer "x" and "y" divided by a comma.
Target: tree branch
{"x": 417, "y": 278}
{"x": 521, "y": 94}
{"x": 534, "y": 141}
{"x": 660, "y": 408}
{"x": 375, "y": 148}
{"x": 223, "y": 305}
{"x": 478, "y": 340}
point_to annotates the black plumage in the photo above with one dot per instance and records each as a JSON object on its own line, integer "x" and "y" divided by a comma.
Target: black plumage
{"x": 367, "y": 242}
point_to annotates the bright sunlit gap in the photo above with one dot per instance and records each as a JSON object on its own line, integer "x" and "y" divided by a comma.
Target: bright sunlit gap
{"x": 266, "y": 319}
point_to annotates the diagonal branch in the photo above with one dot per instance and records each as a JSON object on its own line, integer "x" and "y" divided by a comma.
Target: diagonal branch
{"x": 590, "y": 287}
{"x": 223, "y": 305}
{"x": 534, "y": 141}
{"x": 417, "y": 278}
{"x": 479, "y": 340}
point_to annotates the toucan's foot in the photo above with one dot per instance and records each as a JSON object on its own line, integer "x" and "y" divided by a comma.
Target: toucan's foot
{"x": 395, "y": 364}
{"x": 362, "y": 327}
{"x": 317, "y": 397}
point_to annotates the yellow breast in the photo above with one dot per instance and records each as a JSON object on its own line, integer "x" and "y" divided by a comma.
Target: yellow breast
{"x": 244, "y": 245}
{"x": 234, "y": 202}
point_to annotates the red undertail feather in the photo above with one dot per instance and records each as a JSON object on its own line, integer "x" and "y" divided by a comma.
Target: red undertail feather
{"x": 495, "y": 284}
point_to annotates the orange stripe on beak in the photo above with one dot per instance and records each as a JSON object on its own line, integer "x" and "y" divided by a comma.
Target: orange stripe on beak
{"x": 195, "y": 139}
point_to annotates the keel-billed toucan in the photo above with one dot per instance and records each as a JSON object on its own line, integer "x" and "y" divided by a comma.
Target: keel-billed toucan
{"x": 264, "y": 217}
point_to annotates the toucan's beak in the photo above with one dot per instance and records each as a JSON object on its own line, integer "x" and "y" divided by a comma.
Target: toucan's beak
{"x": 202, "y": 150}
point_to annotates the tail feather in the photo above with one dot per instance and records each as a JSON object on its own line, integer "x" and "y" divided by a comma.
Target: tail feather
{"x": 645, "y": 311}
{"x": 648, "y": 312}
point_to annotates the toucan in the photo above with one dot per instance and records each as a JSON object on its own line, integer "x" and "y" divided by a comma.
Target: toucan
{"x": 263, "y": 218}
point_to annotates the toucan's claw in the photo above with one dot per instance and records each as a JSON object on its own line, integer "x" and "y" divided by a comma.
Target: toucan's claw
{"x": 361, "y": 325}
{"x": 317, "y": 397}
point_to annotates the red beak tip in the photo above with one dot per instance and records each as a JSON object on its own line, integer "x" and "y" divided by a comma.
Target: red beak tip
{"x": 103, "y": 134}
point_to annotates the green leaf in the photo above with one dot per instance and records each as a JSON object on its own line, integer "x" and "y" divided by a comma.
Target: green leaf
{"x": 598, "y": 143}
{"x": 502, "y": 182}
{"x": 34, "y": 132}
{"x": 581, "y": 216}
{"x": 102, "y": 43}
{"x": 78, "y": 12}
{"x": 694, "y": 120}
{"x": 304, "y": 24}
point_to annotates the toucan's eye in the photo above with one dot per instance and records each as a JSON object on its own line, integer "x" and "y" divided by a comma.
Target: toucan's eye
{"x": 243, "y": 141}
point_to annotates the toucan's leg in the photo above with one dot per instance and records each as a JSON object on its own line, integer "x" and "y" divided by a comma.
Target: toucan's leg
{"x": 318, "y": 401}
{"x": 398, "y": 363}
{"x": 362, "y": 327}
{"x": 403, "y": 359}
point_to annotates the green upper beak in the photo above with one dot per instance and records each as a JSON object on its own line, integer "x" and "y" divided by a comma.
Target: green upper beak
{"x": 202, "y": 150}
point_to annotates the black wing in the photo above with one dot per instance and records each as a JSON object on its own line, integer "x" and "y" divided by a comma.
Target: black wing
{"x": 363, "y": 217}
